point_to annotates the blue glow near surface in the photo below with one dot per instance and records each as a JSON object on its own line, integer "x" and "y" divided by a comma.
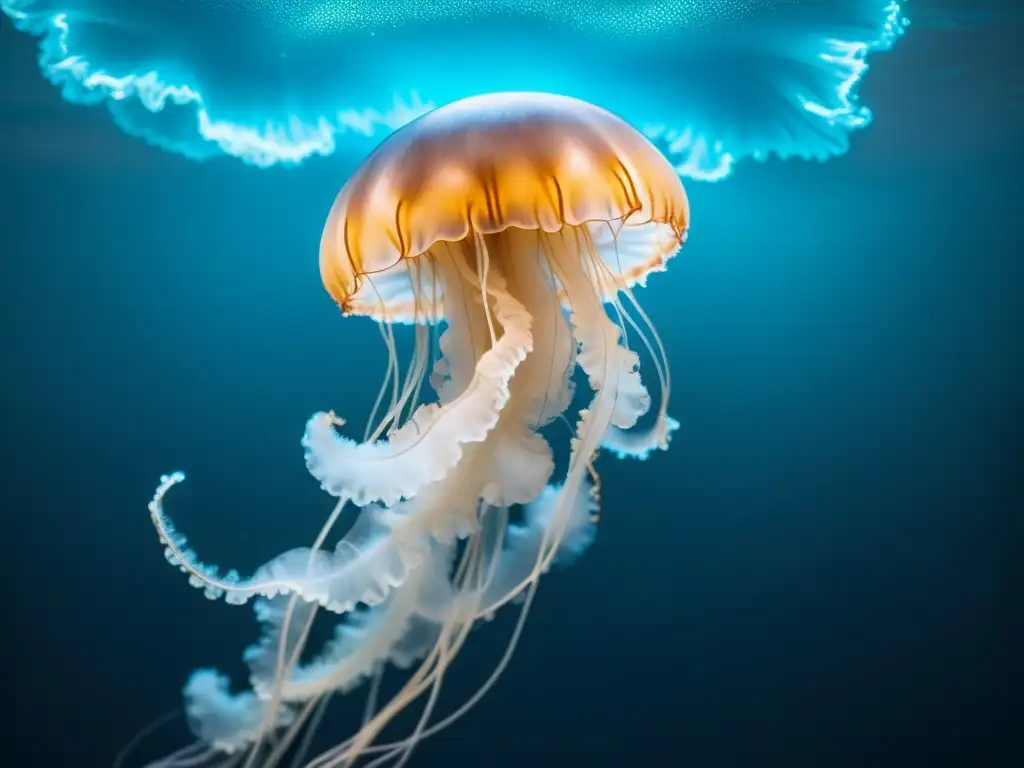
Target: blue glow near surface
{"x": 278, "y": 82}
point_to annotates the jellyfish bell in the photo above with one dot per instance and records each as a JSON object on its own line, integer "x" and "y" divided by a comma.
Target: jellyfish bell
{"x": 486, "y": 165}
{"x": 512, "y": 227}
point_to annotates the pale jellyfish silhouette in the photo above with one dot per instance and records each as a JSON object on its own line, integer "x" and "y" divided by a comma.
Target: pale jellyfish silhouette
{"x": 519, "y": 223}
{"x": 281, "y": 81}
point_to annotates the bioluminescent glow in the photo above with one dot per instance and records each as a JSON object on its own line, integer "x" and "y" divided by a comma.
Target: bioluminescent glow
{"x": 540, "y": 216}
{"x": 280, "y": 81}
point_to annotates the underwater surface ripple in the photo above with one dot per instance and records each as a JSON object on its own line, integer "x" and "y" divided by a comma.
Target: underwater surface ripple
{"x": 274, "y": 82}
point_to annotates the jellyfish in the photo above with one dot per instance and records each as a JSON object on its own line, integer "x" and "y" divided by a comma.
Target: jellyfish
{"x": 274, "y": 82}
{"x": 507, "y": 233}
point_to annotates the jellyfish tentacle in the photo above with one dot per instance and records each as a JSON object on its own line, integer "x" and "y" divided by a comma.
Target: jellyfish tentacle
{"x": 428, "y": 677}
{"x": 432, "y": 442}
{"x": 515, "y": 463}
{"x": 280, "y": 633}
{"x": 226, "y": 722}
{"x": 471, "y": 608}
{"x": 558, "y": 343}
{"x": 520, "y": 466}
{"x": 619, "y": 396}
{"x": 465, "y": 338}
{"x": 639, "y": 443}
{"x": 472, "y": 578}
{"x": 400, "y": 630}
{"x": 200, "y": 575}
{"x": 501, "y": 563}
{"x": 615, "y": 245}
{"x": 522, "y": 461}
{"x": 375, "y": 556}
{"x": 513, "y": 564}
{"x": 370, "y": 560}
{"x": 608, "y": 364}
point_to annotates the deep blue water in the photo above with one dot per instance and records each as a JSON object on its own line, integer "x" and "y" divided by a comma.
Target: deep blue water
{"x": 823, "y": 570}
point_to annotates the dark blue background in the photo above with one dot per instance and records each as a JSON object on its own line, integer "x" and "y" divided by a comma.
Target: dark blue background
{"x": 824, "y": 569}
